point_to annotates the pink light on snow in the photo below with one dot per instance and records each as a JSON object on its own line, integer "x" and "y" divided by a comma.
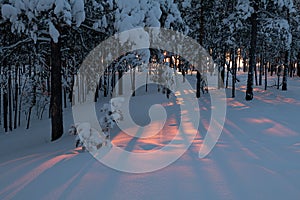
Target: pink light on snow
{"x": 14, "y": 188}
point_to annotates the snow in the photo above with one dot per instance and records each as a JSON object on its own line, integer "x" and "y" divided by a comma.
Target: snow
{"x": 53, "y": 32}
{"x": 78, "y": 12}
{"x": 186, "y": 4}
{"x": 257, "y": 156}
{"x": 9, "y": 12}
{"x": 244, "y": 9}
{"x": 43, "y": 5}
{"x": 66, "y": 11}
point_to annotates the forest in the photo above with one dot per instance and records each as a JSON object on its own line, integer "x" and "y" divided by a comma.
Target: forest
{"x": 44, "y": 42}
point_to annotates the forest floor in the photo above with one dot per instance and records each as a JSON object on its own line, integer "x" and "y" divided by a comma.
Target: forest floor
{"x": 256, "y": 157}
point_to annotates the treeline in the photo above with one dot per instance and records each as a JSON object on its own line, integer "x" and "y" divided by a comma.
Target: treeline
{"x": 42, "y": 46}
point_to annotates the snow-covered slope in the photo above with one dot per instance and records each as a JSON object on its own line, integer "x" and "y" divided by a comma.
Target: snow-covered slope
{"x": 257, "y": 156}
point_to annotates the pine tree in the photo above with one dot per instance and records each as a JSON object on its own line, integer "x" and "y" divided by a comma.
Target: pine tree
{"x": 33, "y": 19}
{"x": 252, "y": 51}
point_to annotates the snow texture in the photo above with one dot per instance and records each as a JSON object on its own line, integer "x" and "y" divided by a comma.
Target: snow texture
{"x": 64, "y": 10}
{"x": 257, "y": 156}
{"x": 53, "y": 32}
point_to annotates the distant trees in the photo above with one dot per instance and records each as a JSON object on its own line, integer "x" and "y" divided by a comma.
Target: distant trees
{"x": 267, "y": 28}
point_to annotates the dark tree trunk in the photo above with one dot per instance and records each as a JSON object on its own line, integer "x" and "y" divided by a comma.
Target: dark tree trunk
{"x": 266, "y": 76}
{"x": 65, "y": 97}
{"x": 285, "y": 71}
{"x": 56, "y": 91}
{"x": 272, "y": 69}
{"x": 28, "y": 118}
{"x": 9, "y": 88}
{"x": 96, "y": 93}
{"x": 252, "y": 52}
{"x": 244, "y": 64}
{"x": 71, "y": 90}
{"x": 278, "y": 76}
{"x": 120, "y": 82}
{"x": 198, "y": 88}
{"x": 233, "y": 70}
{"x": 255, "y": 74}
{"x": 147, "y": 76}
{"x": 5, "y": 101}
{"x": 133, "y": 82}
{"x": 5, "y": 109}
{"x": 200, "y": 40}
{"x": 16, "y": 97}
{"x": 286, "y": 62}
{"x": 227, "y": 74}
{"x": 261, "y": 65}
{"x": 298, "y": 65}
{"x": 292, "y": 67}
{"x": 223, "y": 62}
{"x": 113, "y": 83}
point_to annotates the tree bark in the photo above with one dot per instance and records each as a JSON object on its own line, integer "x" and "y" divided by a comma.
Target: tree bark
{"x": 9, "y": 88}
{"x": 261, "y": 65}
{"x": 286, "y": 62}
{"x": 222, "y": 73}
{"x": 252, "y": 52}
{"x": 233, "y": 71}
{"x": 56, "y": 91}
{"x": 198, "y": 94}
{"x": 5, "y": 109}
{"x": 16, "y": 97}
{"x": 298, "y": 65}
{"x": 120, "y": 74}
{"x": 285, "y": 71}
{"x": 200, "y": 40}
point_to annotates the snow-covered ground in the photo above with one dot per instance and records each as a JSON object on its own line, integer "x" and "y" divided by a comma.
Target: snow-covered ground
{"x": 256, "y": 157}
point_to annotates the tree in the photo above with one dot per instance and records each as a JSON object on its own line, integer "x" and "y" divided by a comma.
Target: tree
{"x": 35, "y": 18}
{"x": 252, "y": 52}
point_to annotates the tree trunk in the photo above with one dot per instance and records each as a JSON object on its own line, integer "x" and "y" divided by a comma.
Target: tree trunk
{"x": 261, "y": 65}
{"x": 255, "y": 74}
{"x": 233, "y": 69}
{"x": 5, "y": 104}
{"x": 252, "y": 53}
{"x": 200, "y": 40}
{"x": 285, "y": 71}
{"x": 266, "y": 75}
{"x": 298, "y": 65}
{"x": 292, "y": 67}
{"x": 244, "y": 64}
{"x": 223, "y": 62}
{"x": 120, "y": 73}
{"x": 133, "y": 82}
{"x": 227, "y": 73}
{"x": 198, "y": 88}
{"x": 287, "y": 61}
{"x": 56, "y": 91}
{"x": 16, "y": 97}
{"x": 9, "y": 88}
{"x": 5, "y": 109}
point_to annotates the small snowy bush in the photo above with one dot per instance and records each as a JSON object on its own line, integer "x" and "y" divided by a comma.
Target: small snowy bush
{"x": 88, "y": 137}
{"x": 112, "y": 114}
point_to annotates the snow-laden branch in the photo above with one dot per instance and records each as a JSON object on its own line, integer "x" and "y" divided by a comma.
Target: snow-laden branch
{"x": 16, "y": 44}
{"x": 93, "y": 29}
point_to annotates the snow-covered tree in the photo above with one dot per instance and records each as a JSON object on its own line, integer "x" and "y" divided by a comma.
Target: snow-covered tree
{"x": 111, "y": 114}
{"x": 262, "y": 18}
{"x": 37, "y": 18}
